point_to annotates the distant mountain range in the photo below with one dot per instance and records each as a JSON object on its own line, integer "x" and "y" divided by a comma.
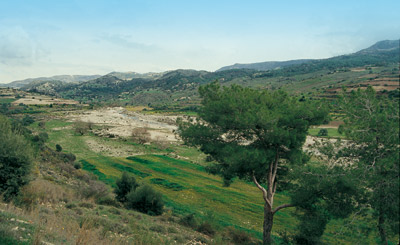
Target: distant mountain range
{"x": 265, "y": 66}
{"x": 61, "y": 78}
{"x": 382, "y": 46}
{"x": 172, "y": 85}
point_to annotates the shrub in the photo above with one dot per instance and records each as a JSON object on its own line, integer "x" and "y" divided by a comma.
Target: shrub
{"x": 27, "y": 120}
{"x": 124, "y": 186}
{"x": 172, "y": 230}
{"x": 158, "y": 228}
{"x": 206, "y": 228}
{"x": 95, "y": 189}
{"x": 82, "y": 128}
{"x": 146, "y": 200}
{"x": 58, "y": 148}
{"x": 108, "y": 201}
{"x": 238, "y": 236}
{"x": 86, "y": 205}
{"x": 68, "y": 157}
{"x": 189, "y": 221}
{"x": 70, "y": 205}
{"x": 77, "y": 165}
{"x": 42, "y": 124}
{"x": 140, "y": 135}
{"x": 323, "y": 132}
{"x": 40, "y": 139}
{"x": 15, "y": 160}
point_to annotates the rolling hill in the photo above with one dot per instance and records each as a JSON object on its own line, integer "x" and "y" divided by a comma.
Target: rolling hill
{"x": 265, "y": 66}
{"x": 62, "y": 78}
{"x": 376, "y": 66}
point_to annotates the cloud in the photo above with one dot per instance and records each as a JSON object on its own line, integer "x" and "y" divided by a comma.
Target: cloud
{"x": 125, "y": 41}
{"x": 18, "y": 48}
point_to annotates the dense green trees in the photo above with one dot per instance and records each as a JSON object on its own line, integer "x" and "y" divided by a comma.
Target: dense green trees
{"x": 15, "y": 159}
{"x": 372, "y": 124}
{"x": 254, "y": 135}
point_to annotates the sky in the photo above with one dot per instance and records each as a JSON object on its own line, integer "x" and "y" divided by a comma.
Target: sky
{"x": 86, "y": 37}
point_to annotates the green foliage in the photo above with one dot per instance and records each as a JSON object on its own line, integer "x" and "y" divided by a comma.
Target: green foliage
{"x": 27, "y": 120}
{"x": 77, "y": 165}
{"x": 323, "y": 132}
{"x": 189, "y": 221}
{"x": 15, "y": 160}
{"x": 124, "y": 186}
{"x": 238, "y": 237}
{"x": 372, "y": 123}
{"x": 58, "y": 148}
{"x": 40, "y": 139}
{"x": 206, "y": 228}
{"x": 267, "y": 120}
{"x": 322, "y": 193}
{"x": 254, "y": 135}
{"x": 146, "y": 200}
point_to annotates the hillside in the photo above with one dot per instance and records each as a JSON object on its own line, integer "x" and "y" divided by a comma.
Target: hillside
{"x": 70, "y": 198}
{"x": 62, "y": 78}
{"x": 376, "y": 66}
{"x": 265, "y": 66}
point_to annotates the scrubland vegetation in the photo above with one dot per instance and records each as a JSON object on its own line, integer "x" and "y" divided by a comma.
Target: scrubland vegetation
{"x": 312, "y": 165}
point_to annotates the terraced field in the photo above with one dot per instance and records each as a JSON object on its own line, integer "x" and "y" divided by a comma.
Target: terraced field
{"x": 187, "y": 188}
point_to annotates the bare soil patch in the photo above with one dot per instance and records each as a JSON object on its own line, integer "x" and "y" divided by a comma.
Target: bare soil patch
{"x": 120, "y": 122}
{"x": 43, "y": 100}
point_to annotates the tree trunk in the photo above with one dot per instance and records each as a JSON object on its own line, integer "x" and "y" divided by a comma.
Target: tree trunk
{"x": 267, "y": 227}
{"x": 382, "y": 233}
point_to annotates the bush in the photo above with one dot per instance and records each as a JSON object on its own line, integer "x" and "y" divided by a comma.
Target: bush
{"x": 323, "y": 132}
{"x": 207, "y": 229}
{"x": 58, "y": 148}
{"x": 95, "y": 189}
{"x": 77, "y": 165}
{"x": 15, "y": 160}
{"x": 68, "y": 157}
{"x": 82, "y": 128}
{"x": 140, "y": 135}
{"x": 146, "y": 200}
{"x": 124, "y": 186}
{"x": 108, "y": 201}
{"x": 238, "y": 236}
{"x": 27, "y": 120}
{"x": 189, "y": 221}
{"x": 42, "y": 124}
{"x": 40, "y": 139}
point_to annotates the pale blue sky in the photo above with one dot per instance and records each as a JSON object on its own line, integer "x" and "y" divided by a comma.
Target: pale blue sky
{"x": 54, "y": 37}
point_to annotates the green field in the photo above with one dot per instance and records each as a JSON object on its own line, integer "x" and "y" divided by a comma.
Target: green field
{"x": 332, "y": 132}
{"x": 7, "y": 100}
{"x": 187, "y": 188}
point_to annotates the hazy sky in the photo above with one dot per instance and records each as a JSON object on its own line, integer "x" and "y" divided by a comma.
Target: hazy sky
{"x": 55, "y": 37}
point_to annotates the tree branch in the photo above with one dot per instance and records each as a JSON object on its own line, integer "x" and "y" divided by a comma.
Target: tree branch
{"x": 282, "y": 206}
{"x": 275, "y": 168}
{"x": 263, "y": 191}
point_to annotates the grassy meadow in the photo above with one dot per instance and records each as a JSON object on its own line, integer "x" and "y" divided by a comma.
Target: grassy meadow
{"x": 185, "y": 185}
